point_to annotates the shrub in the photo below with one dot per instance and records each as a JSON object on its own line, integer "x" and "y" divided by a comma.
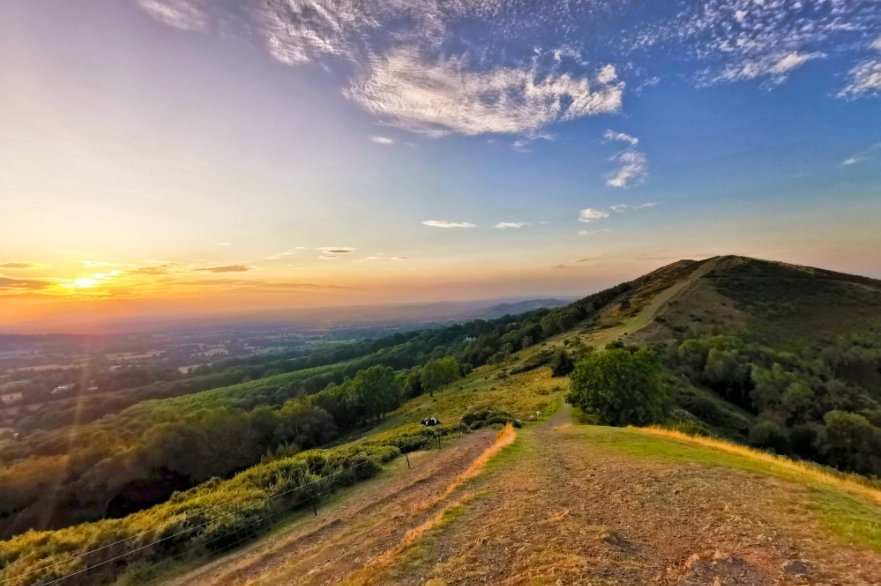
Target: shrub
{"x": 769, "y": 435}
{"x": 620, "y": 387}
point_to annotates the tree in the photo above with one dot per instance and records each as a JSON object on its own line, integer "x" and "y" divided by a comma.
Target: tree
{"x": 561, "y": 364}
{"x": 769, "y": 435}
{"x": 620, "y": 387}
{"x": 440, "y": 372}
{"x": 378, "y": 391}
{"x": 848, "y": 441}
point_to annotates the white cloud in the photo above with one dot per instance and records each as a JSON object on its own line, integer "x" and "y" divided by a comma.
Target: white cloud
{"x": 510, "y": 225}
{"x": 876, "y": 44}
{"x": 862, "y": 156}
{"x": 741, "y": 40}
{"x": 590, "y": 214}
{"x": 382, "y": 140}
{"x": 586, "y": 232}
{"x": 448, "y": 224}
{"x": 444, "y": 96}
{"x": 283, "y": 254}
{"x": 775, "y": 67}
{"x": 611, "y": 135}
{"x": 187, "y": 15}
{"x": 631, "y": 169}
{"x": 623, "y": 207}
{"x": 865, "y": 80}
{"x": 607, "y": 74}
{"x": 382, "y": 257}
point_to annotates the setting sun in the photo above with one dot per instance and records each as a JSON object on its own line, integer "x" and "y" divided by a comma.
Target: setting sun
{"x": 85, "y": 283}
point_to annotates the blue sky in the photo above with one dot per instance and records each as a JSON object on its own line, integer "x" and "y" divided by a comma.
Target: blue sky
{"x": 345, "y": 152}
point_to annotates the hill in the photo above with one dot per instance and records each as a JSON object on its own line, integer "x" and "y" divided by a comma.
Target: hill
{"x": 565, "y": 502}
{"x": 518, "y": 307}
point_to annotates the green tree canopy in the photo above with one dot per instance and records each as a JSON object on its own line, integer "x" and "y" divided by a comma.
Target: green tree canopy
{"x": 440, "y": 372}
{"x": 620, "y": 387}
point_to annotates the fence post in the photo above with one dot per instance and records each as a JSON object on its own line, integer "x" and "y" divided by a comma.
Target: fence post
{"x": 408, "y": 460}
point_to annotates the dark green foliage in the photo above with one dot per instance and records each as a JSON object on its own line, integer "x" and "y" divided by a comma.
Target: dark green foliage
{"x": 561, "y": 364}
{"x": 804, "y": 404}
{"x": 477, "y": 419}
{"x": 620, "y": 387}
{"x": 850, "y": 442}
{"x": 769, "y": 435}
{"x": 537, "y": 360}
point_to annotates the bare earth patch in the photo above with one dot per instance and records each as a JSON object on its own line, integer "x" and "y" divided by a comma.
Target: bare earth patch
{"x": 566, "y": 512}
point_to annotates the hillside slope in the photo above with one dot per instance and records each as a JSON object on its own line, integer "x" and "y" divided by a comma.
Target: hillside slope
{"x": 771, "y": 302}
{"x": 576, "y": 504}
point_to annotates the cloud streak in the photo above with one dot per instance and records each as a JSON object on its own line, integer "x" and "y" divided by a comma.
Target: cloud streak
{"x": 447, "y": 224}
{"x": 588, "y": 215}
{"x": 631, "y": 169}
{"x": 226, "y": 269}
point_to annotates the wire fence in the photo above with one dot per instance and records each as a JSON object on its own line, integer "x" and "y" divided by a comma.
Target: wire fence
{"x": 236, "y": 511}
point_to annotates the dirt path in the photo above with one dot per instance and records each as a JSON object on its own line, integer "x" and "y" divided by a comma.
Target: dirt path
{"x": 355, "y": 528}
{"x": 563, "y": 511}
{"x": 646, "y": 314}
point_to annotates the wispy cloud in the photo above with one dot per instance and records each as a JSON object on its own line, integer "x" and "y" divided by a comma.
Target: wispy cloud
{"x": 382, "y": 257}
{"x": 741, "y": 40}
{"x": 588, "y": 215}
{"x": 631, "y": 169}
{"x": 283, "y": 254}
{"x": 865, "y": 80}
{"x": 382, "y": 140}
{"x": 510, "y": 225}
{"x": 22, "y": 285}
{"x": 631, "y": 162}
{"x": 187, "y": 15}
{"x": 775, "y": 67}
{"x": 18, "y": 265}
{"x": 613, "y": 136}
{"x": 448, "y": 224}
{"x": 160, "y": 269}
{"x": 444, "y": 96}
{"x": 226, "y": 269}
{"x": 623, "y": 207}
{"x": 331, "y": 252}
{"x": 862, "y": 156}
{"x": 259, "y": 284}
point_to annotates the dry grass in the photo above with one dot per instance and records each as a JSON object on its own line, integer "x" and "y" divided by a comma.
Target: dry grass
{"x": 372, "y": 570}
{"x": 803, "y": 470}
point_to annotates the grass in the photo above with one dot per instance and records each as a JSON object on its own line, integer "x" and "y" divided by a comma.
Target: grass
{"x": 847, "y": 506}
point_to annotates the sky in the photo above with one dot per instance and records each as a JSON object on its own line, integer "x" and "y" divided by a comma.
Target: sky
{"x": 181, "y": 157}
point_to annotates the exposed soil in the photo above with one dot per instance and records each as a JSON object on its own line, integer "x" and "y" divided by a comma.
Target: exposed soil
{"x": 566, "y": 512}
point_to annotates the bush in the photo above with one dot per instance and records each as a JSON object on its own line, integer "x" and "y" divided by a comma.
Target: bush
{"x": 620, "y": 387}
{"x": 769, "y": 436}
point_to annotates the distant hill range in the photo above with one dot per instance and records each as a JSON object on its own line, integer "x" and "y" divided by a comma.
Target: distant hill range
{"x": 517, "y": 307}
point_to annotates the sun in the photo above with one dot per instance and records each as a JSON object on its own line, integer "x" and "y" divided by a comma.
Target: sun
{"x": 84, "y": 283}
